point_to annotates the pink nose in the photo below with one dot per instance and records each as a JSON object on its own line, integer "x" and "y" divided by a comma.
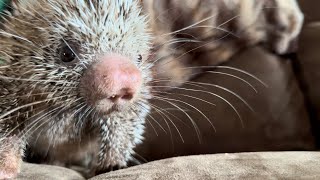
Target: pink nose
{"x": 116, "y": 78}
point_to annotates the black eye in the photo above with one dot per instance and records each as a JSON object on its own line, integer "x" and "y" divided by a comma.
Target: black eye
{"x": 67, "y": 55}
{"x": 139, "y": 58}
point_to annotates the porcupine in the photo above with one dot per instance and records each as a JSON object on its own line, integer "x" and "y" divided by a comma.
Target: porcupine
{"x": 78, "y": 72}
{"x": 72, "y": 73}
{"x": 210, "y": 32}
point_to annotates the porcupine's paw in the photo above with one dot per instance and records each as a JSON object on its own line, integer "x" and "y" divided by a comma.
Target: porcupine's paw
{"x": 10, "y": 158}
{"x": 285, "y": 21}
{"x": 10, "y": 166}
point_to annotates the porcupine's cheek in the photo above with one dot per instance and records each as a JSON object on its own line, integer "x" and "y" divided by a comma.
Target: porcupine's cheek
{"x": 113, "y": 83}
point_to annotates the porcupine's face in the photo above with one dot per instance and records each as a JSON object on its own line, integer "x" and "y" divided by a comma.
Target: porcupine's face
{"x": 89, "y": 56}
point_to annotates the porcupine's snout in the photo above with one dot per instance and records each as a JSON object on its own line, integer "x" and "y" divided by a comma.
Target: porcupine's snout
{"x": 112, "y": 83}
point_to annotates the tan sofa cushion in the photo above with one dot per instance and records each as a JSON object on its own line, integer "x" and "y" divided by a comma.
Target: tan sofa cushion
{"x": 263, "y": 165}
{"x": 269, "y": 165}
{"x": 46, "y": 172}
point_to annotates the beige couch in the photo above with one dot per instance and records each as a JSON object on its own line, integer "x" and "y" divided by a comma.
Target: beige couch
{"x": 267, "y": 165}
{"x": 285, "y": 119}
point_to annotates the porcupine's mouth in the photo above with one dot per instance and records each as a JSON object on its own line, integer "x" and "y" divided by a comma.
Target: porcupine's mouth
{"x": 104, "y": 108}
{"x": 113, "y": 109}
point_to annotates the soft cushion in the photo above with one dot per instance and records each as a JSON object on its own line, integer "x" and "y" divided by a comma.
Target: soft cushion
{"x": 46, "y": 172}
{"x": 268, "y": 165}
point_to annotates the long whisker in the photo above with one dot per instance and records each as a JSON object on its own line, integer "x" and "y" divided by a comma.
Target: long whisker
{"x": 174, "y": 125}
{"x": 192, "y": 97}
{"x": 176, "y": 41}
{"x": 167, "y": 80}
{"x": 145, "y": 161}
{"x": 54, "y": 111}
{"x": 35, "y": 122}
{"x": 189, "y": 117}
{"x": 207, "y": 92}
{"x": 231, "y": 68}
{"x": 20, "y": 124}
{"x": 154, "y": 120}
{"x": 229, "y": 20}
{"x": 217, "y": 28}
{"x": 231, "y": 75}
{"x": 33, "y": 80}
{"x": 164, "y": 117}
{"x": 189, "y": 51}
{"x": 154, "y": 129}
{"x": 171, "y": 114}
{"x": 81, "y": 106}
{"x": 226, "y": 67}
{"x": 227, "y": 90}
{"x": 172, "y": 99}
{"x": 192, "y": 25}
{"x": 161, "y": 111}
{"x": 28, "y": 105}
{"x": 134, "y": 111}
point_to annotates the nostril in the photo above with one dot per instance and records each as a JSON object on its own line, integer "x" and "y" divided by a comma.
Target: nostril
{"x": 114, "y": 98}
{"x": 127, "y": 96}
{"x": 124, "y": 94}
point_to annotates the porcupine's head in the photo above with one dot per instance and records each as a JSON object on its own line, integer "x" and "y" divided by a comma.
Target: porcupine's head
{"x": 77, "y": 58}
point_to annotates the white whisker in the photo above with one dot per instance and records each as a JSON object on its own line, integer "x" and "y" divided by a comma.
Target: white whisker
{"x": 189, "y": 117}
{"x": 207, "y": 92}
